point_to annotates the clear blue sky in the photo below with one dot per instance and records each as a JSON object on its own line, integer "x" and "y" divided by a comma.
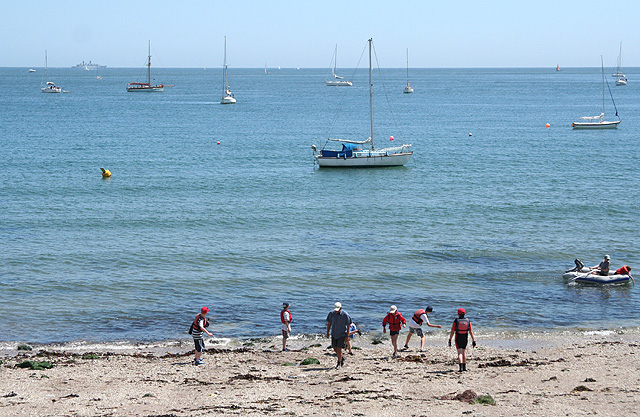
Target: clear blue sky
{"x": 498, "y": 33}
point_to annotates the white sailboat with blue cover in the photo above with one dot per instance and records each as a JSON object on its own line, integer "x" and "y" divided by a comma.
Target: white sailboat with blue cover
{"x": 353, "y": 154}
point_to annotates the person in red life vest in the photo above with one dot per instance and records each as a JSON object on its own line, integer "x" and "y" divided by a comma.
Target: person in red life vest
{"x": 415, "y": 326}
{"x": 625, "y": 270}
{"x": 462, "y": 329}
{"x": 395, "y": 321}
{"x": 199, "y": 325}
{"x": 286, "y": 319}
{"x": 603, "y": 267}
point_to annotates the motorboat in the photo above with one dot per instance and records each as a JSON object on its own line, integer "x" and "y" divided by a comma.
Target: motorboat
{"x": 582, "y": 274}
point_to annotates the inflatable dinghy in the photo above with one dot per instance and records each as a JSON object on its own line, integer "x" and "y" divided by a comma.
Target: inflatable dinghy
{"x": 583, "y": 274}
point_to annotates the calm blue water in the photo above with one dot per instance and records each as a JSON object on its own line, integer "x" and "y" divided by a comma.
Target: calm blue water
{"x": 486, "y": 222}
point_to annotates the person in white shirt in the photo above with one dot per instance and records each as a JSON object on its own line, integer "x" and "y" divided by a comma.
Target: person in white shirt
{"x": 415, "y": 326}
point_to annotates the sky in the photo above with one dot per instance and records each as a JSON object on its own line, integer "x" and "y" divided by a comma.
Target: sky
{"x": 442, "y": 34}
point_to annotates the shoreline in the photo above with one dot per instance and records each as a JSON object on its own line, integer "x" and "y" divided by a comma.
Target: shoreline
{"x": 573, "y": 376}
{"x": 522, "y": 340}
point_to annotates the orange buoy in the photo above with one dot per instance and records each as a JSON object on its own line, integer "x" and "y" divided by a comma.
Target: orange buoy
{"x": 548, "y": 125}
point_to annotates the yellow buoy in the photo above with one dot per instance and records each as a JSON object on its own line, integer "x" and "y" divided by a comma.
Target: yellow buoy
{"x": 105, "y": 173}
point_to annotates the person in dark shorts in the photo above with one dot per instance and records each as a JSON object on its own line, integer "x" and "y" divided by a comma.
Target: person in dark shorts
{"x": 415, "y": 326}
{"x": 199, "y": 325}
{"x": 395, "y": 321}
{"x": 338, "y": 321}
{"x": 462, "y": 329}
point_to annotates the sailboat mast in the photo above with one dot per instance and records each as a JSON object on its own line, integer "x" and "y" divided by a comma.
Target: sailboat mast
{"x": 371, "y": 94}
{"x": 224, "y": 69}
{"x": 602, "y": 64}
{"x": 46, "y": 68}
{"x": 149, "y": 65}
{"x": 407, "y": 66}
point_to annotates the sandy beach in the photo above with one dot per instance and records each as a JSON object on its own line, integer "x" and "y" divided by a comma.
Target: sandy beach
{"x": 558, "y": 375}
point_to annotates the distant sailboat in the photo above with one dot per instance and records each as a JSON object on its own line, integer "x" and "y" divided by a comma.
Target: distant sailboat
{"x": 598, "y": 122}
{"x": 146, "y": 87}
{"x": 50, "y": 86}
{"x": 408, "y": 89}
{"x": 558, "y": 67}
{"x": 619, "y": 73}
{"x": 227, "y": 95}
{"x": 337, "y": 81}
{"x": 265, "y": 69}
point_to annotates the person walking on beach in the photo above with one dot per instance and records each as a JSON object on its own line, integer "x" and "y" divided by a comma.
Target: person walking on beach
{"x": 353, "y": 329}
{"x": 415, "y": 326}
{"x": 338, "y": 321}
{"x": 285, "y": 318}
{"x": 395, "y": 321}
{"x": 603, "y": 267}
{"x": 462, "y": 329}
{"x": 199, "y": 325}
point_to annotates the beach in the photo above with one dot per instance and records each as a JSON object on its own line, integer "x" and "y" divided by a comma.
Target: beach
{"x": 557, "y": 374}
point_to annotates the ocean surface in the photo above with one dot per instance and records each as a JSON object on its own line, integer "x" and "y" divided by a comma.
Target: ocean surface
{"x": 487, "y": 222}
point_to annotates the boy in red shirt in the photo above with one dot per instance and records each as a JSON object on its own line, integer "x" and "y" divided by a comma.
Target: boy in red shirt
{"x": 395, "y": 321}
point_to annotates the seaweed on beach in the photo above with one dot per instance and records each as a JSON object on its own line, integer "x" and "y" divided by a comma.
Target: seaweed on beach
{"x": 35, "y": 365}
{"x": 310, "y": 361}
{"x": 467, "y": 396}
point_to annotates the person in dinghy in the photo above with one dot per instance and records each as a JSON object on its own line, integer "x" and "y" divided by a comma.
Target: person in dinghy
{"x": 603, "y": 267}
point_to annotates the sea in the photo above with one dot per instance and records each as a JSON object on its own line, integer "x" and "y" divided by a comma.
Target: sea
{"x": 222, "y": 205}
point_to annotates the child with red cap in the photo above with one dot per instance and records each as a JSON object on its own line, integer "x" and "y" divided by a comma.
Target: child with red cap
{"x": 462, "y": 329}
{"x": 199, "y": 325}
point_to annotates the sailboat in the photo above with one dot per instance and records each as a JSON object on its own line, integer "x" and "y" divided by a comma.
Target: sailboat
{"x": 50, "y": 86}
{"x": 353, "y": 155}
{"x": 598, "y": 122}
{"x": 618, "y": 73}
{"x": 147, "y": 87}
{"x": 227, "y": 95}
{"x": 265, "y": 69}
{"x": 408, "y": 89}
{"x": 558, "y": 67}
{"x": 337, "y": 81}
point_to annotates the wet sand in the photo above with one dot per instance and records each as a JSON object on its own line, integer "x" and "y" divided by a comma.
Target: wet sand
{"x": 556, "y": 376}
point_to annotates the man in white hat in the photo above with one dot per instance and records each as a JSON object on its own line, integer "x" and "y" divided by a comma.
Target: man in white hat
{"x": 338, "y": 321}
{"x": 603, "y": 267}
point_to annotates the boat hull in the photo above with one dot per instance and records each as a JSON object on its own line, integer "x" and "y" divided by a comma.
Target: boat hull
{"x": 339, "y": 83}
{"x": 621, "y": 82}
{"x": 152, "y": 89}
{"x": 51, "y": 90}
{"x": 598, "y": 125}
{"x": 393, "y": 160}
{"x": 408, "y": 90}
{"x": 228, "y": 100}
{"x": 588, "y": 278}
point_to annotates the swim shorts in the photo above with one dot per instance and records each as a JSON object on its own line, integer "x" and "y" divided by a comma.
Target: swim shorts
{"x": 416, "y": 331}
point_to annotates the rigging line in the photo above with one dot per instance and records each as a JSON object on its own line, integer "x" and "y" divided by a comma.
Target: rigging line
{"x": 342, "y": 99}
{"x": 614, "y": 102}
{"x": 386, "y": 95}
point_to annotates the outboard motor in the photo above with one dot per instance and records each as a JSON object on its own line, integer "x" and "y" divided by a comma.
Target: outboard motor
{"x": 578, "y": 268}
